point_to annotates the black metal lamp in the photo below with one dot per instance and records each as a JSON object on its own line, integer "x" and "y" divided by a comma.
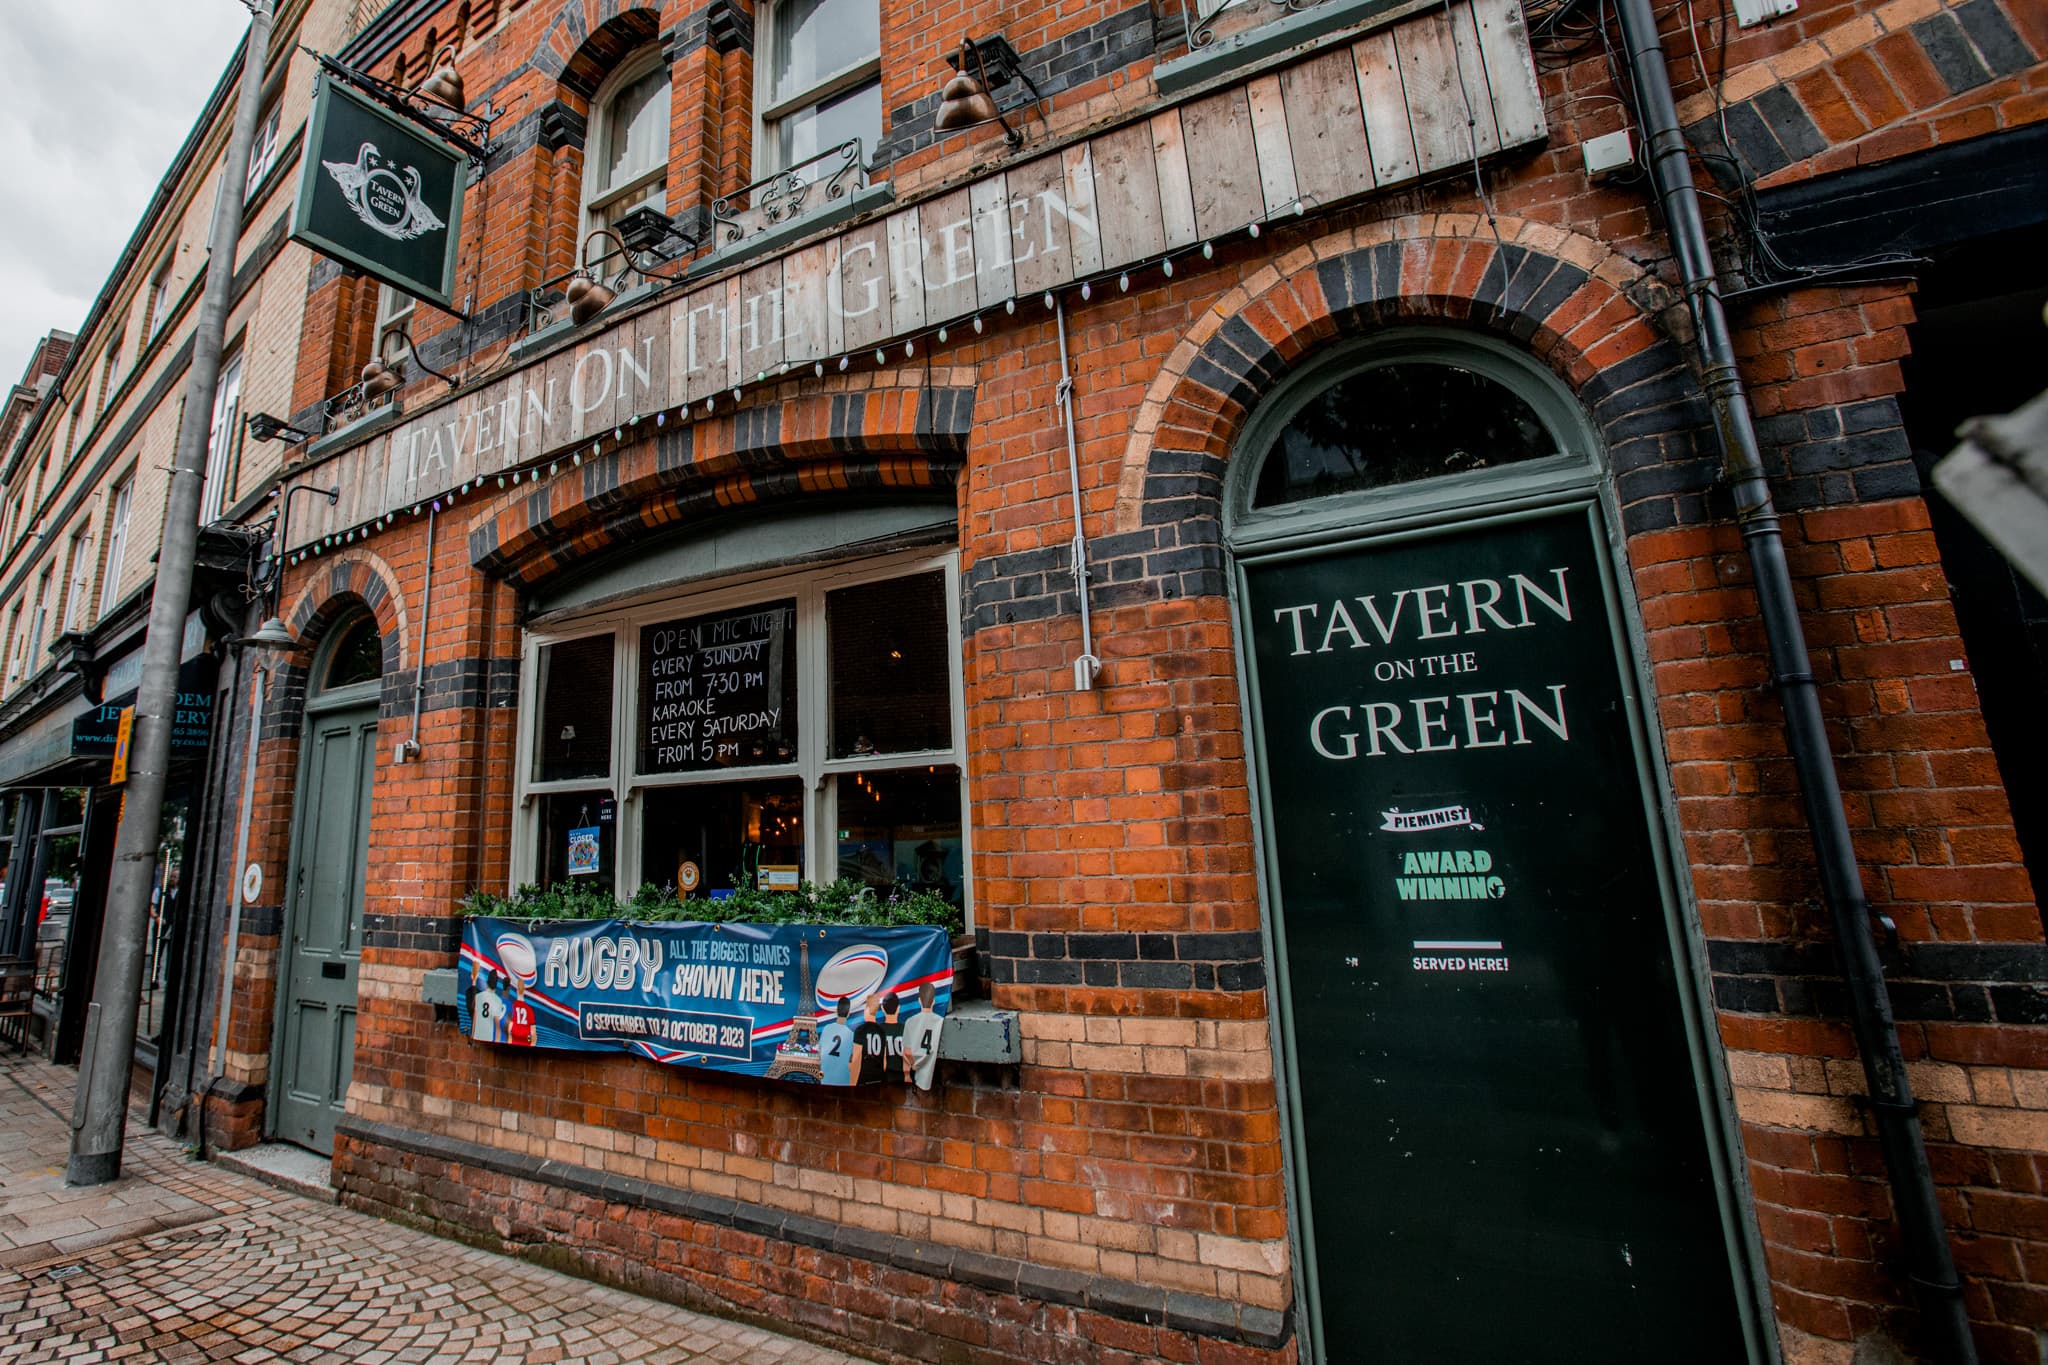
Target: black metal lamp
{"x": 981, "y": 67}
{"x": 264, "y": 427}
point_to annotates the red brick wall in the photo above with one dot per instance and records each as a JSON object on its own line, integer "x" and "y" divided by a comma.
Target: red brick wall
{"x": 1140, "y": 1141}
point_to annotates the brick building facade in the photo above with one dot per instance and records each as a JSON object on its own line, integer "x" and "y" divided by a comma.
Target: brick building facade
{"x": 1206, "y": 239}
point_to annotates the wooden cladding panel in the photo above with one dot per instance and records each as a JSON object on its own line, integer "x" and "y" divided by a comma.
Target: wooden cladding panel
{"x": 1426, "y": 94}
{"x": 1325, "y": 127}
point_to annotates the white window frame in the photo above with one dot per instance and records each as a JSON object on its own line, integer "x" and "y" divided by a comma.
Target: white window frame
{"x": 160, "y": 293}
{"x": 121, "y": 505}
{"x": 263, "y": 155}
{"x": 394, "y": 313}
{"x": 81, "y": 577}
{"x": 220, "y": 437}
{"x": 812, "y": 767}
{"x": 599, "y": 201}
{"x": 36, "y": 642}
{"x": 767, "y": 115}
{"x": 109, "y": 363}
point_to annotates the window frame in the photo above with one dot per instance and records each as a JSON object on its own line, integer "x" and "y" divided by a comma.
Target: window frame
{"x": 597, "y": 204}
{"x": 222, "y": 429}
{"x": 263, "y": 153}
{"x": 812, "y": 766}
{"x": 395, "y": 310}
{"x": 768, "y": 115}
{"x": 120, "y": 508}
{"x": 78, "y": 579}
{"x": 160, "y": 294}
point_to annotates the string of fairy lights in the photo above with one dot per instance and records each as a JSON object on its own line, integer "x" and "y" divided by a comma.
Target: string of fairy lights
{"x": 1119, "y": 279}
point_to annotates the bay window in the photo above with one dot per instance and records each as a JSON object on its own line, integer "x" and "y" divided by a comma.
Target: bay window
{"x": 797, "y": 728}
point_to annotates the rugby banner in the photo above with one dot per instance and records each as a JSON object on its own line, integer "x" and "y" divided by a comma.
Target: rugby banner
{"x": 818, "y": 1004}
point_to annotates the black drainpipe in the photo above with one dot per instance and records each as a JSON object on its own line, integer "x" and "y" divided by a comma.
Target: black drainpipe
{"x": 1933, "y": 1269}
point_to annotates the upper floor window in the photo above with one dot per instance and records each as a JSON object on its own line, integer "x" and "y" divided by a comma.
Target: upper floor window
{"x": 394, "y": 315}
{"x": 626, "y": 157}
{"x": 42, "y": 621}
{"x": 263, "y": 155}
{"x": 822, "y": 82}
{"x": 159, "y": 308}
{"x": 220, "y": 440}
{"x": 81, "y": 579}
{"x": 108, "y": 368}
{"x": 116, "y": 541}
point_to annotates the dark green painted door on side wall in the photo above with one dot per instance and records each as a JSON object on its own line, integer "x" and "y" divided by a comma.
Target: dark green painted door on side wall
{"x": 324, "y": 926}
{"x": 1506, "y": 1153}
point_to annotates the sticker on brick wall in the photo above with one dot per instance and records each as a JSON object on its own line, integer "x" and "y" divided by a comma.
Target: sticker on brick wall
{"x": 823, "y": 1005}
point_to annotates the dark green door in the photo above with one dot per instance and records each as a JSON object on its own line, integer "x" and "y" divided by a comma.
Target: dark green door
{"x": 1504, "y": 1149}
{"x": 324, "y": 926}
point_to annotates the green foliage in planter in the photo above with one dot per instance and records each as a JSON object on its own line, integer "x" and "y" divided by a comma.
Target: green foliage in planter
{"x": 845, "y": 901}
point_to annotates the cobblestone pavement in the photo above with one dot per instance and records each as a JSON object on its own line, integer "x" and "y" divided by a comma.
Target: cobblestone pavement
{"x": 183, "y": 1261}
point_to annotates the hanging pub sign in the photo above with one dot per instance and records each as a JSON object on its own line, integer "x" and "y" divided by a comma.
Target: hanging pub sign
{"x": 381, "y": 193}
{"x": 820, "y": 1004}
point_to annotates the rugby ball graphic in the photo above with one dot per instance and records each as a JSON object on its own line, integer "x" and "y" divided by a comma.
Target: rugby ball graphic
{"x": 851, "y": 975}
{"x": 517, "y": 956}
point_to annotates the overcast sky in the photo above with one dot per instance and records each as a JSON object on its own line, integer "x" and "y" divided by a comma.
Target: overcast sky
{"x": 97, "y": 97}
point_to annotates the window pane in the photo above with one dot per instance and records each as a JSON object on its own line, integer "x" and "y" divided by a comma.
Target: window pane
{"x": 358, "y": 658}
{"x": 719, "y": 691}
{"x": 636, "y": 132}
{"x": 856, "y": 113}
{"x": 734, "y": 833}
{"x": 1397, "y": 423}
{"x": 901, "y": 828}
{"x": 575, "y": 690}
{"x": 814, "y": 38}
{"x": 891, "y": 674}
{"x": 578, "y": 839}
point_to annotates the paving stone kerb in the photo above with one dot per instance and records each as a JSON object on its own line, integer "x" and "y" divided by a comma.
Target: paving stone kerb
{"x": 181, "y": 1260}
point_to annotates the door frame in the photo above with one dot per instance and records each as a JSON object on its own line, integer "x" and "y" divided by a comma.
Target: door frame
{"x": 355, "y": 696}
{"x": 1576, "y": 478}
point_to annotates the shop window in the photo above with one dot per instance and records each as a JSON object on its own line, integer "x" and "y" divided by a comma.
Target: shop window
{"x": 575, "y": 732}
{"x": 804, "y": 728}
{"x": 1396, "y": 422}
{"x": 822, "y": 82}
{"x": 626, "y": 156}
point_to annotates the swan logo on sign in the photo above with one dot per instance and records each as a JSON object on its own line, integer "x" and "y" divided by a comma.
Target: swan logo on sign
{"x": 851, "y": 974}
{"x": 517, "y": 956}
{"x": 383, "y": 194}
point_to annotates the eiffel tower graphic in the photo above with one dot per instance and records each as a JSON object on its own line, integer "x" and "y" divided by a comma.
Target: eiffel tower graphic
{"x": 796, "y": 1057}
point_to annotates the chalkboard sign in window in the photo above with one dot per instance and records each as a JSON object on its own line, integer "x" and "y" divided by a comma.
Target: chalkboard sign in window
{"x": 575, "y": 735}
{"x": 890, "y": 679}
{"x": 719, "y": 690}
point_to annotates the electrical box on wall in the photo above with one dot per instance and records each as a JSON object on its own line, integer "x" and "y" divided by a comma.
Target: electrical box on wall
{"x": 1608, "y": 153}
{"x": 1750, "y": 13}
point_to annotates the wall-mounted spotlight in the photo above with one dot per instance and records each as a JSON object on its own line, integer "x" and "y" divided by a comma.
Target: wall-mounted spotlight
{"x": 983, "y": 66}
{"x": 646, "y": 228}
{"x": 264, "y": 427}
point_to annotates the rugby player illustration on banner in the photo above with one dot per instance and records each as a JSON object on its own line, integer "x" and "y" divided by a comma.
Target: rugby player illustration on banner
{"x": 809, "y": 1004}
